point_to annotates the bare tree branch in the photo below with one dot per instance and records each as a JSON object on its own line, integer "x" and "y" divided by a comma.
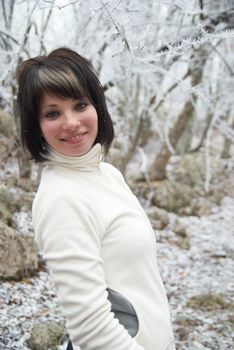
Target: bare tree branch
{"x": 21, "y": 46}
{"x": 12, "y": 5}
{"x": 4, "y": 13}
{"x": 172, "y": 87}
{"x": 223, "y": 59}
{"x": 9, "y": 36}
{"x": 120, "y": 31}
{"x": 42, "y": 48}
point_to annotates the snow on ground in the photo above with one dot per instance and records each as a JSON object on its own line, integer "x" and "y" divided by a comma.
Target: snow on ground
{"x": 207, "y": 267}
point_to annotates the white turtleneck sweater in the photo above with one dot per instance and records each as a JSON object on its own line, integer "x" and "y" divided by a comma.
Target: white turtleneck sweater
{"x": 95, "y": 235}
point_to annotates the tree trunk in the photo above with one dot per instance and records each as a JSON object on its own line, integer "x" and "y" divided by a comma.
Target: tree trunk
{"x": 24, "y": 162}
{"x": 157, "y": 170}
{"x": 227, "y": 145}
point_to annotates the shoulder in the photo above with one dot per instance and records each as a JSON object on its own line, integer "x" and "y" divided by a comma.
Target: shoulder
{"x": 60, "y": 207}
{"x": 113, "y": 171}
{"x": 56, "y": 193}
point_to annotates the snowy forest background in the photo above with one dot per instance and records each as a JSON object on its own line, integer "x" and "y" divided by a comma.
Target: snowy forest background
{"x": 167, "y": 68}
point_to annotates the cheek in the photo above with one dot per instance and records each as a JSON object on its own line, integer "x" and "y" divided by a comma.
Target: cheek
{"x": 92, "y": 121}
{"x": 48, "y": 129}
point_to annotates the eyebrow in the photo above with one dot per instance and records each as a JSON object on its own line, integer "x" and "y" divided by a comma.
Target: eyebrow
{"x": 45, "y": 106}
{"x": 54, "y": 105}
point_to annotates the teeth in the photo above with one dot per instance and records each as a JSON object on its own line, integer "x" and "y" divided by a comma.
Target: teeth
{"x": 73, "y": 138}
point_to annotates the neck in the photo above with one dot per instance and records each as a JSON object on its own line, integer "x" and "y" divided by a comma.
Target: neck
{"x": 86, "y": 162}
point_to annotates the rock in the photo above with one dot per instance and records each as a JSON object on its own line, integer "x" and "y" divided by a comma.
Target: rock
{"x": 5, "y": 216}
{"x": 172, "y": 196}
{"x": 182, "y": 333}
{"x": 8, "y": 206}
{"x": 231, "y": 319}
{"x": 7, "y": 130}
{"x": 46, "y": 336}
{"x": 184, "y": 243}
{"x": 6, "y": 124}
{"x": 188, "y": 321}
{"x": 5, "y": 149}
{"x": 11, "y": 203}
{"x": 18, "y": 255}
{"x": 159, "y": 217}
{"x": 140, "y": 188}
{"x": 185, "y": 326}
{"x": 208, "y": 302}
{"x": 190, "y": 169}
{"x": 180, "y": 229}
{"x": 8, "y": 199}
{"x": 180, "y": 237}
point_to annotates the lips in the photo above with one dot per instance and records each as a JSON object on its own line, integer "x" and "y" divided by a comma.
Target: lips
{"x": 74, "y": 139}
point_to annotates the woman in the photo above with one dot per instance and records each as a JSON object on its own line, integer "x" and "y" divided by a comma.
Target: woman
{"x": 94, "y": 235}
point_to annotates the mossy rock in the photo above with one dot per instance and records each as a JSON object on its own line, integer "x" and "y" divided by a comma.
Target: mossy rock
{"x": 6, "y": 124}
{"x": 167, "y": 195}
{"x": 9, "y": 200}
{"x": 183, "y": 243}
{"x": 159, "y": 217}
{"x": 188, "y": 321}
{"x": 6, "y": 216}
{"x": 184, "y": 326}
{"x": 46, "y": 336}
{"x": 190, "y": 169}
{"x": 27, "y": 185}
{"x": 9, "y": 204}
{"x": 182, "y": 333}
{"x": 231, "y": 319}
{"x": 140, "y": 188}
{"x": 209, "y": 302}
{"x": 172, "y": 196}
{"x": 18, "y": 255}
{"x": 5, "y": 149}
{"x": 180, "y": 229}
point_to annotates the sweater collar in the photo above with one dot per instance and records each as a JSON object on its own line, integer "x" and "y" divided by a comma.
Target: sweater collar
{"x": 86, "y": 162}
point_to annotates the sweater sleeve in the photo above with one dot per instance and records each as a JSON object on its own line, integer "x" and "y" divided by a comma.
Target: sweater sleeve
{"x": 71, "y": 245}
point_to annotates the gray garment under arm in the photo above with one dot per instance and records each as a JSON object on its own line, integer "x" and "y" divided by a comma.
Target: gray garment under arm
{"x": 123, "y": 311}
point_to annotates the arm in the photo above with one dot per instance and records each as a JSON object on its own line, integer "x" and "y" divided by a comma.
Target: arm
{"x": 71, "y": 246}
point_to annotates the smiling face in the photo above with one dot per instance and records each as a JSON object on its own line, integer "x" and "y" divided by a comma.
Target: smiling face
{"x": 69, "y": 126}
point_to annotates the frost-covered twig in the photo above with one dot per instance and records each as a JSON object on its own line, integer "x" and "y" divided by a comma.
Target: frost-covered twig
{"x": 171, "y": 88}
{"x": 207, "y": 152}
{"x": 225, "y": 129}
{"x": 43, "y": 31}
{"x": 223, "y": 59}
{"x": 144, "y": 158}
{"x": 191, "y": 89}
{"x": 9, "y": 36}
{"x": 120, "y": 29}
{"x": 8, "y": 20}
{"x": 143, "y": 170}
{"x": 173, "y": 3}
{"x": 59, "y": 7}
{"x": 167, "y": 133}
{"x": 179, "y": 48}
{"x": 21, "y": 46}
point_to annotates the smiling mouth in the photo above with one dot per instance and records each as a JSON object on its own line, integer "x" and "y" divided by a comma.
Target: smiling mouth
{"x": 73, "y": 139}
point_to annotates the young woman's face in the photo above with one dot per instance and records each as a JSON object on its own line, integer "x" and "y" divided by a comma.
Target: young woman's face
{"x": 69, "y": 126}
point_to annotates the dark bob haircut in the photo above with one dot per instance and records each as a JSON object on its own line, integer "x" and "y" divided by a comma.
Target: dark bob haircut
{"x": 65, "y": 74}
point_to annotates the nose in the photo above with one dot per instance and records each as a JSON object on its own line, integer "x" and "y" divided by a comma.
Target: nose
{"x": 70, "y": 122}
